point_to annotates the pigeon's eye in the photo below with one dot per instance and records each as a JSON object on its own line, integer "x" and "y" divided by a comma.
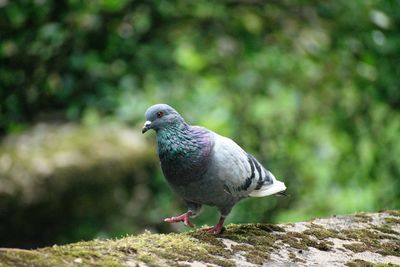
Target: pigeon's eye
{"x": 160, "y": 114}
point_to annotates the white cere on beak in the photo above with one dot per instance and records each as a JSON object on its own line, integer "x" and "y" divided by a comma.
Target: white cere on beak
{"x": 147, "y": 124}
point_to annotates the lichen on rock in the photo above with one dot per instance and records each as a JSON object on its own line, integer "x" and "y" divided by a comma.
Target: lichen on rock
{"x": 341, "y": 240}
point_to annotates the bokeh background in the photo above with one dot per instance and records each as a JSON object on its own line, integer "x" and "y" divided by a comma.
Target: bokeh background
{"x": 311, "y": 88}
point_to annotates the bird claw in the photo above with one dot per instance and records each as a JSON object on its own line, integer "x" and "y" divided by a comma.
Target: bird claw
{"x": 181, "y": 218}
{"x": 188, "y": 223}
{"x": 217, "y": 229}
{"x": 214, "y": 230}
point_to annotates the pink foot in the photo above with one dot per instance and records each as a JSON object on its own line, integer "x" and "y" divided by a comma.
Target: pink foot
{"x": 217, "y": 228}
{"x": 181, "y": 218}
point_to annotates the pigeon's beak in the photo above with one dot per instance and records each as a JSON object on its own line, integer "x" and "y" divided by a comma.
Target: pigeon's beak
{"x": 146, "y": 126}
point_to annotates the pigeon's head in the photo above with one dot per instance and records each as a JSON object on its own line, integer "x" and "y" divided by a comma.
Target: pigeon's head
{"x": 161, "y": 116}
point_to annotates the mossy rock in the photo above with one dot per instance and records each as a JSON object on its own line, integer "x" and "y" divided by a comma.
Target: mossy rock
{"x": 321, "y": 242}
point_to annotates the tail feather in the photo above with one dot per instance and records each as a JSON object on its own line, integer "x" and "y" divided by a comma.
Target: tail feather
{"x": 276, "y": 187}
{"x": 267, "y": 190}
{"x": 267, "y": 184}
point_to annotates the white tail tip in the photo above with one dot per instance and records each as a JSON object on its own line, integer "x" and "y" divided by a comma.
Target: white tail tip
{"x": 268, "y": 190}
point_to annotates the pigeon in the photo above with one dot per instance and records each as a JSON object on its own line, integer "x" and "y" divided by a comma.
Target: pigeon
{"x": 205, "y": 168}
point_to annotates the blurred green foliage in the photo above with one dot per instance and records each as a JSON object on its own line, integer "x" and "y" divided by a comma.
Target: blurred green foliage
{"x": 311, "y": 88}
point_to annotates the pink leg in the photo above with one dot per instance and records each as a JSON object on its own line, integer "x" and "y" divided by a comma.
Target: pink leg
{"x": 217, "y": 228}
{"x": 181, "y": 218}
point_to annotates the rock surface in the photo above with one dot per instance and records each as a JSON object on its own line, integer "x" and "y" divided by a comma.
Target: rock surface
{"x": 363, "y": 239}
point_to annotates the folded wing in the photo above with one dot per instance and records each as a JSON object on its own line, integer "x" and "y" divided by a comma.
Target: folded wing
{"x": 241, "y": 174}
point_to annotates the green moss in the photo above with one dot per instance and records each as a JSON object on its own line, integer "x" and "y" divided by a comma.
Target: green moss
{"x": 363, "y": 263}
{"x": 269, "y": 227}
{"x": 389, "y": 248}
{"x": 210, "y": 239}
{"x": 17, "y": 257}
{"x": 255, "y": 257}
{"x": 359, "y": 263}
{"x": 184, "y": 247}
{"x": 152, "y": 249}
{"x": 303, "y": 241}
{"x": 245, "y": 250}
{"x": 392, "y": 220}
{"x": 364, "y": 235}
{"x": 386, "y": 265}
{"x": 320, "y": 232}
{"x": 253, "y": 234}
{"x": 385, "y": 229}
{"x": 294, "y": 258}
{"x": 256, "y": 241}
{"x": 295, "y": 240}
{"x": 362, "y": 217}
{"x": 393, "y": 212}
{"x": 356, "y": 247}
{"x": 368, "y": 240}
{"x": 315, "y": 237}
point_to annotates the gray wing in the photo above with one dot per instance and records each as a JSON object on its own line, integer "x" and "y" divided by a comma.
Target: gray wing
{"x": 241, "y": 174}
